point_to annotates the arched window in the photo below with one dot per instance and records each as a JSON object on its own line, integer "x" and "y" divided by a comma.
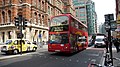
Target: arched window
{"x": 35, "y": 17}
{"x": 9, "y": 34}
{"x": 42, "y": 19}
{"x": 9, "y": 16}
{"x": 48, "y": 22}
{"x": 10, "y": 1}
{"x": 42, "y": 7}
{"x": 3, "y": 2}
{"x": 39, "y": 16}
{"x": 3, "y": 17}
{"x": 49, "y": 10}
{"x": 39, "y": 4}
{"x": 34, "y": 2}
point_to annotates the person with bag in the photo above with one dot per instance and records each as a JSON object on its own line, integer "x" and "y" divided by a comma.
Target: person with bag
{"x": 116, "y": 43}
{"x": 107, "y": 43}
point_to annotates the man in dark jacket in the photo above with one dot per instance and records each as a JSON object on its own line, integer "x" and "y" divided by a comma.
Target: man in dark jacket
{"x": 107, "y": 43}
{"x": 116, "y": 43}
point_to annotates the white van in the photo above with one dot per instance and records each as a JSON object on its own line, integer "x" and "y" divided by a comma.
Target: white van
{"x": 99, "y": 41}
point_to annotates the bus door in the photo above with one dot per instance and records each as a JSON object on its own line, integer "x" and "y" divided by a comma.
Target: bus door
{"x": 74, "y": 42}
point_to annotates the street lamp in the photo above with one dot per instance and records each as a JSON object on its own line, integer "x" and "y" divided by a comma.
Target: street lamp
{"x": 110, "y": 24}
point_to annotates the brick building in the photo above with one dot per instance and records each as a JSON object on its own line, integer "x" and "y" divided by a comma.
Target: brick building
{"x": 37, "y": 12}
{"x": 117, "y": 31}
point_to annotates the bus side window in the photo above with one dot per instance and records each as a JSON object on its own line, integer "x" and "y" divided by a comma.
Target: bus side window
{"x": 72, "y": 24}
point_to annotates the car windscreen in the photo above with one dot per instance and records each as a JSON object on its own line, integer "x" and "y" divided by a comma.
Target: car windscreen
{"x": 99, "y": 40}
{"x": 8, "y": 42}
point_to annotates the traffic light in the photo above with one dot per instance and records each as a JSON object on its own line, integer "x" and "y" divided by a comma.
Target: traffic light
{"x": 16, "y": 21}
{"x": 109, "y": 17}
{"x": 24, "y": 23}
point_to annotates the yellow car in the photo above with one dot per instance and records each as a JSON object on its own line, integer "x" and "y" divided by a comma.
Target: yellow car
{"x": 14, "y": 46}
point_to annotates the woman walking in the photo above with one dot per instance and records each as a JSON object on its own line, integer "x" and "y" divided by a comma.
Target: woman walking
{"x": 116, "y": 43}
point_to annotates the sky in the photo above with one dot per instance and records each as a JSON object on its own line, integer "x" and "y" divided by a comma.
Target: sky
{"x": 103, "y": 7}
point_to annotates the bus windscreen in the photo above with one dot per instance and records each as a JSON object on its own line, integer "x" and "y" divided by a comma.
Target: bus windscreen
{"x": 59, "y": 28}
{"x": 59, "y": 38}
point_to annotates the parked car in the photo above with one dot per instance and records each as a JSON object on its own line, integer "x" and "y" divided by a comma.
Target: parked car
{"x": 99, "y": 41}
{"x": 14, "y": 46}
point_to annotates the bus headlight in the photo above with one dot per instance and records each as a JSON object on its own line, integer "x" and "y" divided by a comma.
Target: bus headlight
{"x": 50, "y": 47}
{"x": 66, "y": 47}
{"x": 62, "y": 44}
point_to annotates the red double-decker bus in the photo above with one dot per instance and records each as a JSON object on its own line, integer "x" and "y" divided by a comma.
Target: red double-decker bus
{"x": 67, "y": 34}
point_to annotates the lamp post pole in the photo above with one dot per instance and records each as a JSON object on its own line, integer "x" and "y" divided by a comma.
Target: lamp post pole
{"x": 110, "y": 25}
{"x": 20, "y": 20}
{"x": 110, "y": 44}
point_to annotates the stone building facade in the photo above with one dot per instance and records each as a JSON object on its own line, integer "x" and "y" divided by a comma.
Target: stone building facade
{"x": 37, "y": 12}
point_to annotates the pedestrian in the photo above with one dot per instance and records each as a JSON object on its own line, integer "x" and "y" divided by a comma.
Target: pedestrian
{"x": 39, "y": 43}
{"x": 116, "y": 43}
{"x": 43, "y": 42}
{"x": 106, "y": 43}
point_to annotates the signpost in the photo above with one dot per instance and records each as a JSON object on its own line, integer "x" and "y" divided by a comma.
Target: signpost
{"x": 20, "y": 23}
{"x": 110, "y": 24}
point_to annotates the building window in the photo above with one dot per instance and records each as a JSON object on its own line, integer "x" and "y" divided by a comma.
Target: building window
{"x": 52, "y": 11}
{"x": 39, "y": 16}
{"x": 52, "y": 1}
{"x": 10, "y": 2}
{"x": 82, "y": 2}
{"x": 39, "y": 4}
{"x": 3, "y": 36}
{"x": 77, "y": 12}
{"x": 82, "y": 9}
{"x": 20, "y": 1}
{"x": 48, "y": 10}
{"x": 35, "y": 17}
{"x": 3, "y": 17}
{"x": 42, "y": 6}
{"x": 48, "y": 1}
{"x": 34, "y": 2}
{"x": 43, "y": 32}
{"x": 3, "y": 2}
{"x": 42, "y": 19}
{"x": 82, "y": 15}
{"x": 9, "y": 34}
{"x": 9, "y": 16}
{"x": 44, "y": 36}
{"x": 48, "y": 22}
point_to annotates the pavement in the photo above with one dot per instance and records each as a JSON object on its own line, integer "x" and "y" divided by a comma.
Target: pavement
{"x": 44, "y": 47}
{"x": 115, "y": 55}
